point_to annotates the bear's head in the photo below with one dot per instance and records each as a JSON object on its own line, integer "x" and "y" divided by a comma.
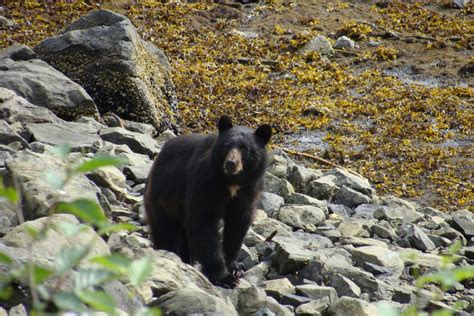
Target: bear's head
{"x": 239, "y": 152}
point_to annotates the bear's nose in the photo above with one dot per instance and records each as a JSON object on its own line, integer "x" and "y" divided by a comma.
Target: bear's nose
{"x": 229, "y": 166}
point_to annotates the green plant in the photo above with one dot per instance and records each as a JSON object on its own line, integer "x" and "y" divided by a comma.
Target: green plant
{"x": 447, "y": 277}
{"x": 85, "y": 294}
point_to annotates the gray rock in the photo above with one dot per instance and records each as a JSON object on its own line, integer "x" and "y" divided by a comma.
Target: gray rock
{"x": 293, "y": 300}
{"x": 291, "y": 255}
{"x": 344, "y": 42}
{"x": 6, "y": 23}
{"x": 459, "y": 3}
{"x": 138, "y": 143}
{"x": 305, "y": 217}
{"x": 348, "y": 306}
{"x": 270, "y": 203}
{"x": 252, "y": 300}
{"x": 353, "y": 181}
{"x": 124, "y": 74}
{"x": 313, "y": 308}
{"x": 142, "y": 128}
{"x": 362, "y": 242}
{"x": 42, "y": 85}
{"x": 29, "y": 169}
{"x": 350, "y": 197}
{"x": 192, "y": 300}
{"x": 425, "y": 261}
{"x": 278, "y": 166}
{"x": 299, "y": 198}
{"x": 345, "y": 287}
{"x": 416, "y": 237}
{"x": 450, "y": 233}
{"x": 354, "y": 228}
{"x": 278, "y": 186}
{"x": 398, "y": 210}
{"x": 137, "y": 168}
{"x": 19, "y": 310}
{"x": 125, "y": 302}
{"x": 469, "y": 252}
{"x": 300, "y": 176}
{"x": 319, "y": 44}
{"x": 316, "y": 292}
{"x": 321, "y": 241}
{"x": 380, "y": 256}
{"x": 374, "y": 43}
{"x": 165, "y": 136}
{"x": 252, "y": 238}
{"x": 8, "y": 135}
{"x": 464, "y": 224}
{"x": 366, "y": 211}
{"x": 322, "y": 188}
{"x": 440, "y": 241}
{"x": 169, "y": 272}
{"x": 79, "y": 136}
{"x": 111, "y": 178}
{"x": 337, "y": 264}
{"x": 384, "y": 230}
{"x": 256, "y": 275}
{"x": 8, "y": 216}
{"x": 278, "y": 287}
{"x": 340, "y": 210}
{"x": 18, "y": 240}
{"x": 266, "y": 227}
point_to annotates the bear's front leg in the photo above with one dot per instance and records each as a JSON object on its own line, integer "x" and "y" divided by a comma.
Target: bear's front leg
{"x": 237, "y": 223}
{"x": 205, "y": 248}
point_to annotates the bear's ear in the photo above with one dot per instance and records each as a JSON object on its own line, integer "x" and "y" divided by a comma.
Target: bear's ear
{"x": 224, "y": 123}
{"x": 264, "y": 132}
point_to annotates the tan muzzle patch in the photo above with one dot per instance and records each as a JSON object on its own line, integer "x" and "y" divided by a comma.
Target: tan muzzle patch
{"x": 233, "y": 162}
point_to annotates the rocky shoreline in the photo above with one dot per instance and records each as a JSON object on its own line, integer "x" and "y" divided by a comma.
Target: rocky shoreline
{"x": 322, "y": 242}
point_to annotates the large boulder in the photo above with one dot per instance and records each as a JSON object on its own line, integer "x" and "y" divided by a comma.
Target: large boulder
{"x": 42, "y": 85}
{"x": 14, "y": 108}
{"x": 55, "y": 239}
{"x": 80, "y": 136}
{"x": 29, "y": 171}
{"x": 192, "y": 300}
{"x": 124, "y": 74}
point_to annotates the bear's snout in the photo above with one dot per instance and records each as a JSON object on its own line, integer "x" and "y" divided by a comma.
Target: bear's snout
{"x": 233, "y": 162}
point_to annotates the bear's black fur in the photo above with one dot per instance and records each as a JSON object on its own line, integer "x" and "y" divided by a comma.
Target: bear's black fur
{"x": 198, "y": 180}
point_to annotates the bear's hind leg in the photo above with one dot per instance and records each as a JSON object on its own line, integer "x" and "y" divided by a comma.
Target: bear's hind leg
{"x": 165, "y": 232}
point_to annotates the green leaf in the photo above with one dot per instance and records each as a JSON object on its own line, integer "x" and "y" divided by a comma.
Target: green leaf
{"x": 148, "y": 311}
{"x": 447, "y": 277}
{"x": 86, "y": 278}
{"x": 87, "y": 210}
{"x": 69, "y": 302}
{"x": 10, "y": 194}
{"x": 5, "y": 259}
{"x": 70, "y": 229}
{"x": 112, "y": 228}
{"x": 32, "y": 231}
{"x": 442, "y": 312}
{"x": 98, "y": 300}
{"x": 99, "y": 161}
{"x": 43, "y": 292}
{"x": 67, "y": 258}
{"x": 139, "y": 270}
{"x": 40, "y": 274}
{"x": 55, "y": 180}
{"x": 61, "y": 151}
{"x": 6, "y": 290}
{"x": 115, "y": 263}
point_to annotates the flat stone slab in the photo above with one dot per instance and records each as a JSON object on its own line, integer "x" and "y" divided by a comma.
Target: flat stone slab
{"x": 78, "y": 135}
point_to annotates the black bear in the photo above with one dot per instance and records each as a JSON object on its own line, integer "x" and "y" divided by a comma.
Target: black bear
{"x": 199, "y": 180}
